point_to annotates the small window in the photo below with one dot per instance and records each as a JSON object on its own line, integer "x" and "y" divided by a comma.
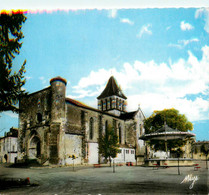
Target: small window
{"x": 39, "y": 117}
{"x": 127, "y": 151}
{"x": 120, "y": 133}
{"x": 106, "y": 106}
{"x": 123, "y": 106}
{"x": 110, "y": 103}
{"x": 91, "y": 128}
{"x": 117, "y": 103}
{"x": 106, "y": 127}
{"x": 101, "y": 105}
{"x": 120, "y": 104}
{"x": 132, "y": 151}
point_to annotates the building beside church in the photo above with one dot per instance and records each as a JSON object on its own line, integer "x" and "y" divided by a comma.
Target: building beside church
{"x": 8, "y": 146}
{"x": 53, "y": 127}
{"x": 196, "y": 149}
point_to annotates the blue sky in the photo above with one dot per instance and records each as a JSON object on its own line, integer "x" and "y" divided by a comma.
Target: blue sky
{"x": 160, "y": 58}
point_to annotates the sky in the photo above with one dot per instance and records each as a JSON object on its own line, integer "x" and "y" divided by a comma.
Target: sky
{"x": 159, "y": 57}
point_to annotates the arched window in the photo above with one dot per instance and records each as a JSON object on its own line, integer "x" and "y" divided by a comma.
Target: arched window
{"x": 91, "y": 128}
{"x": 101, "y": 105}
{"x": 116, "y": 103}
{"x": 120, "y": 104}
{"x": 39, "y": 117}
{"x": 106, "y": 126}
{"x": 120, "y": 133}
{"x": 123, "y": 106}
{"x": 110, "y": 103}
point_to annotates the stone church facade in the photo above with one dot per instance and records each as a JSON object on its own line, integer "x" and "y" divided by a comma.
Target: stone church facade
{"x": 53, "y": 127}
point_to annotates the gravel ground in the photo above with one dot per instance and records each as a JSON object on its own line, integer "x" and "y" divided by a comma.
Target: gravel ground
{"x": 88, "y": 180}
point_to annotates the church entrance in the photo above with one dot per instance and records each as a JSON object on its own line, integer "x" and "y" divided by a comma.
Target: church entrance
{"x": 93, "y": 153}
{"x": 35, "y": 148}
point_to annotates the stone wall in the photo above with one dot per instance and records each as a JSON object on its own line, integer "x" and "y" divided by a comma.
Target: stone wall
{"x": 78, "y": 123}
{"x": 34, "y": 122}
{"x": 71, "y": 146}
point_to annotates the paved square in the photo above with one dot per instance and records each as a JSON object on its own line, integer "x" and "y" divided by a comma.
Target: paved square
{"x": 126, "y": 180}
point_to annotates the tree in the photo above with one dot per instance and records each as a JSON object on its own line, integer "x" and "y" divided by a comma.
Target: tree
{"x": 11, "y": 81}
{"x": 108, "y": 144}
{"x": 205, "y": 150}
{"x": 173, "y": 119}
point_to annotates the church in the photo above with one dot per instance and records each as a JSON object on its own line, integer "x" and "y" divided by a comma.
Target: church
{"x": 53, "y": 127}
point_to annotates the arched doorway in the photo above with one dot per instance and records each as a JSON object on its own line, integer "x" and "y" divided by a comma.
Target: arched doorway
{"x": 5, "y": 157}
{"x": 35, "y": 148}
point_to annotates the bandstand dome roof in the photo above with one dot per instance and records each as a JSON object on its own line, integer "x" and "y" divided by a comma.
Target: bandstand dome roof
{"x": 166, "y": 133}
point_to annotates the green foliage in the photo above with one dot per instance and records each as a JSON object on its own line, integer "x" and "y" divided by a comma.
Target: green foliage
{"x": 174, "y": 120}
{"x": 108, "y": 144}
{"x": 11, "y": 81}
{"x": 171, "y": 116}
{"x": 204, "y": 149}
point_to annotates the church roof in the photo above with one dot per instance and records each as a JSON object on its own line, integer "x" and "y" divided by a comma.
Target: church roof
{"x": 80, "y": 104}
{"x": 112, "y": 89}
{"x": 128, "y": 115}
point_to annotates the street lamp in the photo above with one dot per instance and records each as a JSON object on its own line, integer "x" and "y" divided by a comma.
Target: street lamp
{"x": 113, "y": 165}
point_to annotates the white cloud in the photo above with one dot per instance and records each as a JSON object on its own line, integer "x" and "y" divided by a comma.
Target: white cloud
{"x": 157, "y": 85}
{"x": 28, "y": 77}
{"x": 175, "y": 45}
{"x": 194, "y": 110}
{"x": 112, "y": 13}
{"x": 43, "y": 80}
{"x": 182, "y": 43}
{"x": 127, "y": 21}
{"x": 95, "y": 78}
{"x": 169, "y": 27}
{"x": 145, "y": 30}
{"x": 186, "y": 26}
{"x": 205, "y": 13}
{"x": 186, "y": 42}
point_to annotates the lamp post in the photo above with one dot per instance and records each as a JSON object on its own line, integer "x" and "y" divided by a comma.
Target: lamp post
{"x": 73, "y": 158}
{"x": 178, "y": 155}
{"x": 113, "y": 165}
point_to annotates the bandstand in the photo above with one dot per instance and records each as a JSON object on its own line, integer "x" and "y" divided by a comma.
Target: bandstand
{"x": 166, "y": 133}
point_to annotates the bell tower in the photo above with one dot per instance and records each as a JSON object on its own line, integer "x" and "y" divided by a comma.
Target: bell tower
{"x": 112, "y": 99}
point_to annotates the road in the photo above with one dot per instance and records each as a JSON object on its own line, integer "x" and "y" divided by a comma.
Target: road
{"x": 126, "y": 180}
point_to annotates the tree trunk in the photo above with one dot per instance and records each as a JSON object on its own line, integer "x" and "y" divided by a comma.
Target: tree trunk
{"x": 110, "y": 161}
{"x": 206, "y": 161}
